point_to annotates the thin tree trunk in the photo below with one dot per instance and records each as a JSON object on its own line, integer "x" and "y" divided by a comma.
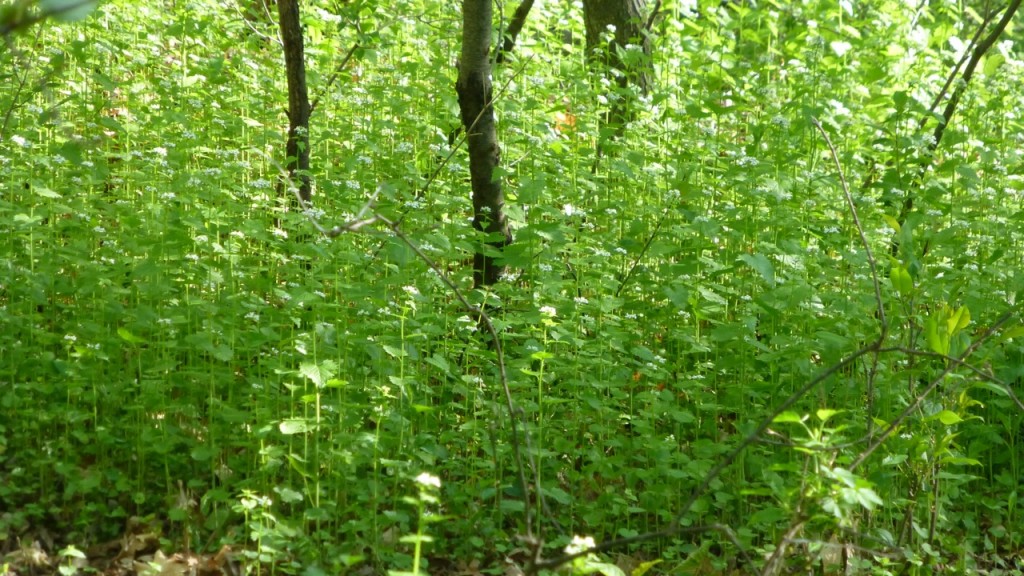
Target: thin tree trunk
{"x": 297, "y": 149}
{"x": 475, "y": 92}
{"x": 514, "y": 28}
{"x": 627, "y": 16}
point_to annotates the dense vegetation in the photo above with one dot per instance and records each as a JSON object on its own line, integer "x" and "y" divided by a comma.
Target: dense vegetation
{"x": 749, "y": 350}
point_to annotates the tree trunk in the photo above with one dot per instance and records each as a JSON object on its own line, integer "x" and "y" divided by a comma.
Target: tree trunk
{"x": 475, "y": 91}
{"x": 297, "y": 149}
{"x": 627, "y": 16}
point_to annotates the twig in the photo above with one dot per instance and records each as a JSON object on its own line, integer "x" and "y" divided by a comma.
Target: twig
{"x": 643, "y": 251}
{"x": 334, "y": 76}
{"x": 931, "y": 387}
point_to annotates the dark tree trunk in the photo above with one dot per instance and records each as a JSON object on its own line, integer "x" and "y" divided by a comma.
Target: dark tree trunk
{"x": 514, "y": 28}
{"x": 628, "y": 18}
{"x": 297, "y": 149}
{"x": 475, "y": 91}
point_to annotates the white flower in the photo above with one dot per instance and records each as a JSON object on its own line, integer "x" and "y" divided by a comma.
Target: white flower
{"x": 548, "y": 311}
{"x": 20, "y": 141}
{"x": 427, "y": 480}
{"x": 579, "y": 544}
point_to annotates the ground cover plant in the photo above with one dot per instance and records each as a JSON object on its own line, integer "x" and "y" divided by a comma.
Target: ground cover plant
{"x": 760, "y": 313}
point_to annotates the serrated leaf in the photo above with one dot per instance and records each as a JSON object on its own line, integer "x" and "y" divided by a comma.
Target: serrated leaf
{"x": 295, "y": 426}
{"x": 762, "y": 265}
{"x": 868, "y": 498}
{"x": 313, "y": 372}
{"x": 45, "y": 192}
{"x": 395, "y": 352}
{"x": 289, "y": 495}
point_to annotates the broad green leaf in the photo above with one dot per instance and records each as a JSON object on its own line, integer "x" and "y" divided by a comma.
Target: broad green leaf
{"x": 901, "y": 280}
{"x": 993, "y": 62}
{"x": 45, "y": 192}
{"x": 868, "y": 498}
{"x": 395, "y": 352}
{"x": 824, "y": 414}
{"x": 899, "y": 99}
{"x": 67, "y": 10}
{"x": 762, "y": 265}
{"x": 289, "y": 495}
{"x": 313, "y": 373}
{"x": 892, "y": 222}
{"x": 959, "y": 320}
{"x": 937, "y": 338}
{"x": 128, "y": 337}
{"x": 788, "y": 417}
{"x": 295, "y": 426}
{"x": 947, "y": 417}
{"x": 1014, "y": 332}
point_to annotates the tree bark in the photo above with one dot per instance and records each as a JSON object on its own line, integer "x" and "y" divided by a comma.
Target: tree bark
{"x": 627, "y": 16}
{"x": 297, "y": 149}
{"x": 514, "y": 28}
{"x": 475, "y": 92}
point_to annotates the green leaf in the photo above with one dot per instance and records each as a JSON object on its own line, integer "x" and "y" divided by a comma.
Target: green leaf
{"x": 314, "y": 373}
{"x": 901, "y": 280}
{"x": 960, "y": 461}
{"x": 289, "y": 495}
{"x": 395, "y": 352}
{"x": 788, "y": 417}
{"x": 295, "y": 426}
{"x": 992, "y": 63}
{"x": 644, "y": 567}
{"x": 45, "y": 192}
{"x": 762, "y": 265}
{"x": 899, "y": 99}
{"x": 892, "y": 222}
{"x": 938, "y": 341}
{"x": 959, "y": 320}
{"x": 67, "y": 10}
{"x": 1011, "y": 333}
{"x": 129, "y": 337}
{"x": 947, "y": 417}
{"x": 824, "y": 414}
